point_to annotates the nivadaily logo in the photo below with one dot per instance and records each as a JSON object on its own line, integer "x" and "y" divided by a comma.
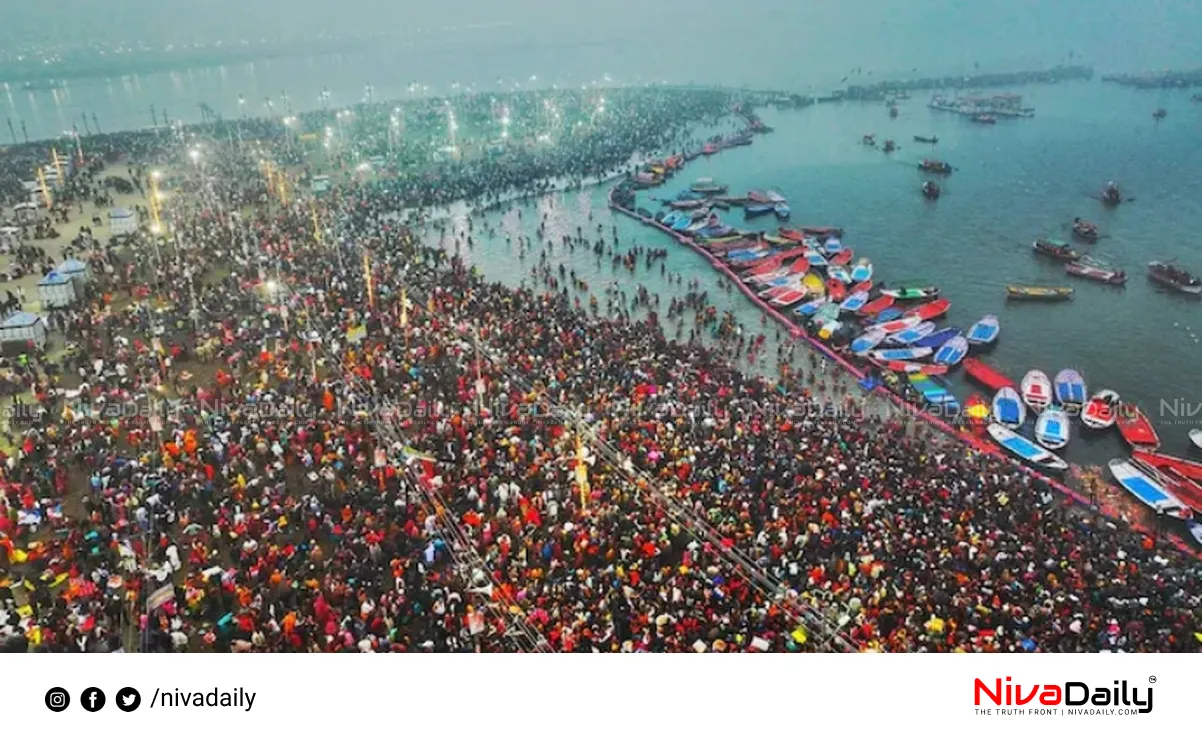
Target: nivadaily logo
{"x": 1070, "y": 697}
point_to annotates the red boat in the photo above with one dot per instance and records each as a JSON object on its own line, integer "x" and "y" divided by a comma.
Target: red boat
{"x": 835, "y": 290}
{"x": 1136, "y": 428}
{"x": 986, "y": 376}
{"x": 876, "y": 306}
{"x": 1176, "y": 466}
{"x": 930, "y": 310}
{"x": 1095, "y": 272}
{"x": 842, "y": 258}
{"x": 911, "y": 367}
{"x": 863, "y": 286}
{"x": 801, "y": 265}
{"x": 798, "y": 234}
{"x": 1186, "y": 490}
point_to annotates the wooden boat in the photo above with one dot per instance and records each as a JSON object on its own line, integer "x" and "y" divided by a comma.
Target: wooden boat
{"x": 862, "y": 271}
{"x": 897, "y": 325}
{"x": 1008, "y": 408}
{"x": 788, "y": 298}
{"x": 977, "y": 411}
{"x": 889, "y": 314}
{"x": 938, "y": 338}
{"x": 1101, "y": 410}
{"x": 984, "y": 331}
{"x": 854, "y": 301}
{"x": 1195, "y": 437}
{"x": 775, "y": 197}
{"x": 1057, "y": 249}
{"x": 776, "y": 240}
{"x": 901, "y": 354}
{"x": 934, "y": 394}
{"x": 800, "y": 266}
{"x": 1052, "y": 428}
{"x": 1087, "y": 268}
{"x": 1111, "y": 195}
{"x": 1147, "y": 490}
{"x": 1037, "y": 390}
{"x": 1135, "y": 427}
{"x": 776, "y": 291}
{"x": 1025, "y": 449}
{"x": 1187, "y": 491}
{"x": 840, "y": 258}
{"x": 930, "y": 310}
{"x": 985, "y": 375}
{"x": 867, "y": 341}
{"x": 912, "y": 335}
{"x": 931, "y": 190}
{"x": 952, "y": 352}
{"x": 1186, "y": 469}
{"x": 984, "y": 119}
{"x": 809, "y": 308}
{"x": 1070, "y": 389}
{"x": 1039, "y": 293}
{"x": 707, "y": 186}
{"x": 836, "y": 290}
{"x": 1085, "y": 230}
{"x": 910, "y": 292}
{"x": 863, "y": 286}
{"x": 935, "y": 166}
{"x": 781, "y": 211}
{"x": 889, "y": 146}
{"x": 813, "y": 284}
{"x": 913, "y": 367}
{"x": 926, "y": 140}
{"x": 838, "y": 273}
{"x": 759, "y": 197}
{"x": 757, "y": 210}
{"x": 880, "y": 304}
{"x": 1167, "y": 274}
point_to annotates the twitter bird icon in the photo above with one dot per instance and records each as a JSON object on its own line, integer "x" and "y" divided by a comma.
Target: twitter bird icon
{"x": 128, "y": 699}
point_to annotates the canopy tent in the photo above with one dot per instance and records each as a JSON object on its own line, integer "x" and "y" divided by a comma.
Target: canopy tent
{"x": 122, "y": 221}
{"x": 75, "y": 270}
{"x": 22, "y": 328}
{"x": 56, "y": 290}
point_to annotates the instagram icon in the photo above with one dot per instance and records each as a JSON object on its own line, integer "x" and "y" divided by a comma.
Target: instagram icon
{"x": 57, "y": 699}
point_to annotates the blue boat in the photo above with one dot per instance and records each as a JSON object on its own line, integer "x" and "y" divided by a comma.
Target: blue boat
{"x": 832, "y": 246}
{"x": 912, "y": 335}
{"x": 1070, "y": 388}
{"x": 670, "y": 217}
{"x": 862, "y": 271}
{"x": 1149, "y": 492}
{"x": 1008, "y": 408}
{"x": 721, "y": 230}
{"x": 938, "y": 338}
{"x": 854, "y": 302}
{"x": 1025, "y": 449}
{"x": 682, "y": 222}
{"x": 888, "y": 315}
{"x": 952, "y": 352}
{"x": 756, "y": 210}
{"x": 781, "y": 209}
{"x": 817, "y": 260}
{"x": 1052, "y": 428}
{"x": 868, "y": 341}
{"x": 901, "y": 354}
{"x": 934, "y": 394}
{"x": 687, "y": 195}
{"x": 810, "y": 307}
{"x": 984, "y": 331}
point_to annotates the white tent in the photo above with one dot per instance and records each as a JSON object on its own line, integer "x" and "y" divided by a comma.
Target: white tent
{"x": 122, "y": 221}
{"x": 76, "y": 270}
{"x": 56, "y": 290}
{"x": 22, "y": 327}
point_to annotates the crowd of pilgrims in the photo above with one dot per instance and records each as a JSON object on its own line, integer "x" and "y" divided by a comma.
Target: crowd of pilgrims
{"x": 263, "y": 451}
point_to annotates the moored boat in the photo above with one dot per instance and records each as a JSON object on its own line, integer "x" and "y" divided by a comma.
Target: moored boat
{"x": 934, "y": 394}
{"x": 1167, "y": 274}
{"x": 781, "y": 210}
{"x": 1147, "y": 490}
{"x": 1037, "y": 390}
{"x": 930, "y": 310}
{"x": 931, "y": 190}
{"x": 912, "y": 335}
{"x": 889, "y": 146}
{"x": 788, "y": 298}
{"x": 984, "y": 331}
{"x": 867, "y": 341}
{"x": 839, "y": 273}
{"x": 757, "y": 210}
{"x": 935, "y": 166}
{"x": 707, "y": 186}
{"x": 1070, "y": 389}
{"x": 854, "y": 301}
{"x": 880, "y": 304}
{"x": 1039, "y": 293}
{"x": 914, "y": 367}
{"x": 926, "y": 140}
{"x": 901, "y": 354}
{"x": 1177, "y": 466}
{"x": 1052, "y": 428}
{"x": 1135, "y": 427}
{"x": 1088, "y": 268}
{"x": 1111, "y": 195}
{"x": 1101, "y": 410}
{"x": 1008, "y": 408}
{"x": 952, "y": 352}
{"x": 1195, "y": 437}
{"x": 938, "y": 338}
{"x": 862, "y": 271}
{"x": 911, "y": 291}
{"x": 1025, "y": 449}
{"x": 985, "y": 375}
{"x": 1057, "y": 249}
{"x": 1084, "y": 229}
{"x": 984, "y": 119}
{"x": 836, "y": 290}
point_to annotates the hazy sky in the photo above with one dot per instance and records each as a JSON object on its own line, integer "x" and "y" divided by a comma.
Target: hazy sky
{"x": 788, "y": 34}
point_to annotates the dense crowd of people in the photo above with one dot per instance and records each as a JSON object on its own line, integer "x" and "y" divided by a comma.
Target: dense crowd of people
{"x": 345, "y": 440}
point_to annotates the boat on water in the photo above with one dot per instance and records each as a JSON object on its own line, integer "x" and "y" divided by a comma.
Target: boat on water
{"x": 984, "y": 119}
{"x": 907, "y": 292}
{"x": 938, "y": 338}
{"x": 878, "y": 305}
{"x": 1057, "y": 249}
{"x": 1135, "y": 427}
{"x": 984, "y": 331}
{"x": 1088, "y": 268}
{"x": 788, "y": 298}
{"x": 1008, "y": 408}
{"x": 775, "y": 197}
{"x": 862, "y": 271}
{"x": 1052, "y": 428}
{"x": 707, "y": 186}
{"x": 912, "y": 335}
{"x": 1180, "y": 467}
{"x": 1101, "y": 410}
{"x": 914, "y": 367}
{"x": 836, "y": 290}
{"x": 1084, "y": 229}
{"x": 889, "y": 146}
{"x": 1070, "y": 389}
{"x": 839, "y": 273}
{"x": 930, "y": 310}
{"x": 934, "y": 394}
{"x": 1037, "y": 390}
{"x": 1111, "y": 195}
{"x": 757, "y": 209}
{"x": 854, "y": 301}
{"x": 952, "y": 352}
{"x": 1167, "y": 274}
{"x": 841, "y": 257}
{"x": 1025, "y": 449}
{"x": 868, "y": 139}
{"x": 1147, "y": 490}
{"x": 935, "y": 166}
{"x": 1039, "y": 293}
{"x": 1195, "y": 437}
{"x": 889, "y": 314}
{"x": 896, "y": 324}
{"x": 867, "y": 341}
{"x": 813, "y": 284}
{"x": 781, "y": 210}
{"x": 901, "y": 354}
{"x": 985, "y": 375}
{"x": 893, "y": 112}
{"x": 811, "y": 307}
{"x": 926, "y": 140}
{"x": 931, "y": 190}
{"x": 1159, "y": 114}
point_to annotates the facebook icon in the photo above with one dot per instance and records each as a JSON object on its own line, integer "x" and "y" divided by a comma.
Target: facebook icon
{"x": 92, "y": 699}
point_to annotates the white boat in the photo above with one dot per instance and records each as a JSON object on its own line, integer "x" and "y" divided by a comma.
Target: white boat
{"x": 1195, "y": 437}
{"x": 984, "y": 331}
{"x": 868, "y": 341}
{"x": 1037, "y": 390}
{"x": 1025, "y": 449}
{"x": 1145, "y": 488}
{"x": 1101, "y": 410}
{"x": 1052, "y": 428}
{"x": 1008, "y": 408}
{"x": 912, "y": 335}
